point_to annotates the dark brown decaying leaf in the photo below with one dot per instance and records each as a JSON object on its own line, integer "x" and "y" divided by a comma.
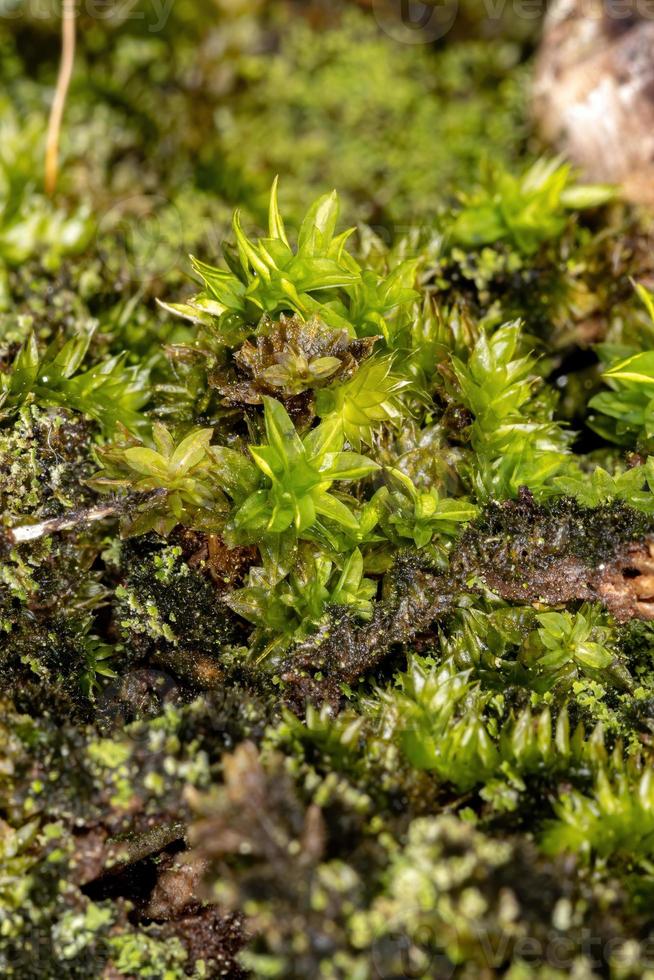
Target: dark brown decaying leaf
{"x": 256, "y": 812}
{"x": 556, "y": 555}
{"x": 344, "y": 650}
{"x": 289, "y": 357}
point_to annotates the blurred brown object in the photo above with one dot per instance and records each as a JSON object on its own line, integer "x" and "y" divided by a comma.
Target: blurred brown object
{"x": 594, "y": 90}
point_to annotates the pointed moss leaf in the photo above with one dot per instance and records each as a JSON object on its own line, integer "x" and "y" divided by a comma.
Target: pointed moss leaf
{"x": 317, "y": 229}
{"x": 275, "y": 221}
{"x": 638, "y": 369}
{"x": 330, "y": 507}
{"x": 234, "y": 471}
{"x": 146, "y": 461}
{"x": 347, "y": 466}
{"x": 280, "y": 430}
{"x": 191, "y": 450}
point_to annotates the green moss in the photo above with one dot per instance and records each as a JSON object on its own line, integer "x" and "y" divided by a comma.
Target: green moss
{"x": 348, "y": 671}
{"x": 145, "y": 956}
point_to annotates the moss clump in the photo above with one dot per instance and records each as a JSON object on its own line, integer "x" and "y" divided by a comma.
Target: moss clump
{"x": 327, "y": 584}
{"x": 166, "y": 608}
{"x": 45, "y": 458}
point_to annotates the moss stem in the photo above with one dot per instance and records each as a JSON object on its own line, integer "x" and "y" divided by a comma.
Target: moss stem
{"x": 61, "y": 91}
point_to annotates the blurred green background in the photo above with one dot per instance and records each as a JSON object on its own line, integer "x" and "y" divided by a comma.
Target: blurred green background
{"x": 180, "y": 110}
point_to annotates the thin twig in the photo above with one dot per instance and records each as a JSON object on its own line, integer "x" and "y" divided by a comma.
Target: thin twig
{"x": 79, "y": 519}
{"x": 61, "y": 91}
{"x": 30, "y": 532}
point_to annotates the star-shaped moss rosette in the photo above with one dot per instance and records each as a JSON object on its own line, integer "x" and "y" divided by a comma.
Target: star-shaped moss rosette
{"x": 298, "y": 477}
{"x": 318, "y": 277}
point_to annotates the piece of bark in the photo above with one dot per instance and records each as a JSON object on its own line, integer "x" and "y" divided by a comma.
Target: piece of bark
{"x": 593, "y": 93}
{"x": 521, "y": 551}
{"x": 563, "y": 553}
